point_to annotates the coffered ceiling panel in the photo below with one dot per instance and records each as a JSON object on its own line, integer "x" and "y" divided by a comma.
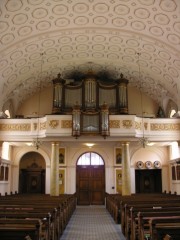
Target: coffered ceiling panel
{"x": 41, "y": 38}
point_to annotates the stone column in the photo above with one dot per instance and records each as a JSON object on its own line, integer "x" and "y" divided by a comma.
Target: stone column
{"x": 126, "y": 173}
{"x": 54, "y": 184}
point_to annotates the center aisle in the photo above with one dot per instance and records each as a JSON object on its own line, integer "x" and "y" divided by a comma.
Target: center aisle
{"x": 92, "y": 223}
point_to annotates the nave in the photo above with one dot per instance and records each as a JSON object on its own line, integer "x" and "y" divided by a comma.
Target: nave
{"x": 92, "y": 223}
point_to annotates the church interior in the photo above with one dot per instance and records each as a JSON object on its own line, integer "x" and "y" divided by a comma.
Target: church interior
{"x": 90, "y": 101}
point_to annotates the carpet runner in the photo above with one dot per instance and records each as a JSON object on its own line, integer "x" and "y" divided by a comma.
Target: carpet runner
{"x": 92, "y": 223}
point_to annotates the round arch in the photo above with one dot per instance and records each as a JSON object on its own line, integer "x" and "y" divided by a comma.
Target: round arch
{"x": 15, "y": 166}
{"x": 90, "y": 158}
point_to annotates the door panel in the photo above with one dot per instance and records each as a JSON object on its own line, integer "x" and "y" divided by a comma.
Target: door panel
{"x": 90, "y": 185}
{"x": 148, "y": 181}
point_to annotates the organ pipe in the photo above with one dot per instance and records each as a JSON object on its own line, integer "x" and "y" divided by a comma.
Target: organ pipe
{"x": 58, "y": 85}
{"x": 123, "y": 96}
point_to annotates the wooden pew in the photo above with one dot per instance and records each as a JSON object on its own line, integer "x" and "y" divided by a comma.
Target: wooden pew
{"x": 20, "y": 229}
{"x": 60, "y": 208}
{"x": 143, "y": 221}
{"x": 161, "y": 228}
{"x": 132, "y": 217}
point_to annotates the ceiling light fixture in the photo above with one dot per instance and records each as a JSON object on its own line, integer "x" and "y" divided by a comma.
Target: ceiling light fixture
{"x": 90, "y": 145}
{"x": 143, "y": 141}
{"x": 37, "y": 142}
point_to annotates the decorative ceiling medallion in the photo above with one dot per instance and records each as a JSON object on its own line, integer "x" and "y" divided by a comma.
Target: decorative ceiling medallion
{"x": 12, "y": 78}
{"x": 121, "y": 9}
{"x": 149, "y": 48}
{"x": 114, "y": 48}
{"x": 7, "y": 38}
{"x": 80, "y": 8}
{"x": 60, "y": 9}
{"x": 147, "y": 2}
{"x": 156, "y": 31}
{"x": 35, "y": 2}
{"x": 168, "y": 5}
{"x": 83, "y": 55}
{"x": 100, "y": 20}
{"x": 142, "y": 13}
{"x": 98, "y": 47}
{"x": 174, "y": 39}
{"x": 160, "y": 63}
{"x": 132, "y": 43}
{"x": 39, "y": 13}
{"x": 137, "y": 25}
{"x": 43, "y": 25}
{"x": 161, "y": 19}
{"x": 16, "y": 55}
{"x": 62, "y": 22}
{"x": 3, "y": 63}
{"x": 140, "y": 164}
{"x": 7, "y": 71}
{"x": 19, "y": 19}
{"x": 164, "y": 55}
{"x": 3, "y": 26}
{"x": 177, "y": 27}
{"x": 82, "y": 47}
{"x": 119, "y": 22}
{"x": 24, "y": 31}
{"x": 82, "y": 38}
{"x": 113, "y": 56}
{"x": 31, "y": 48}
{"x": 13, "y": 5}
{"x": 101, "y": 8}
{"x": 53, "y": 59}
{"x": 81, "y": 20}
{"x": 173, "y": 72}
{"x": 116, "y": 39}
{"x": 51, "y": 51}
{"x": 48, "y": 43}
{"x": 148, "y": 164}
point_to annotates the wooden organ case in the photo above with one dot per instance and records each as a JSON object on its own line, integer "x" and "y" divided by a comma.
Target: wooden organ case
{"x": 90, "y": 100}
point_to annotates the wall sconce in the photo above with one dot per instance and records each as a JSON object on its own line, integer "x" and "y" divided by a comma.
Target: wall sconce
{"x": 89, "y": 145}
{"x": 104, "y": 120}
{"x": 76, "y": 113}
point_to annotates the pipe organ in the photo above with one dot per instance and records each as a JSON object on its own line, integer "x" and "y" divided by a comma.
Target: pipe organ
{"x": 90, "y": 101}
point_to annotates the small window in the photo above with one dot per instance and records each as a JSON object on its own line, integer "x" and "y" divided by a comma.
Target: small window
{"x": 90, "y": 158}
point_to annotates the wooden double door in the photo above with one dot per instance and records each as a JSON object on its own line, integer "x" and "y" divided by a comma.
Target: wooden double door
{"x": 90, "y": 185}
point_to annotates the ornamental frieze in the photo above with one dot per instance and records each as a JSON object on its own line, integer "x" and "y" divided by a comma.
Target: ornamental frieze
{"x": 127, "y": 124}
{"x": 138, "y": 125}
{"x": 53, "y": 123}
{"x": 15, "y": 127}
{"x": 43, "y": 126}
{"x": 164, "y": 127}
{"x": 66, "y": 124}
{"x": 114, "y": 123}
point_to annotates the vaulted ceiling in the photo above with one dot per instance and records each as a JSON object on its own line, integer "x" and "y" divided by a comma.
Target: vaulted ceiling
{"x": 41, "y": 38}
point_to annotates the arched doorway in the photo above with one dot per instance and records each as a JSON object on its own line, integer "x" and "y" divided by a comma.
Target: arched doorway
{"x": 90, "y": 179}
{"x": 32, "y": 173}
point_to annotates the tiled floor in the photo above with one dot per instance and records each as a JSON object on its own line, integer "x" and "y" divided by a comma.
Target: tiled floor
{"x": 92, "y": 223}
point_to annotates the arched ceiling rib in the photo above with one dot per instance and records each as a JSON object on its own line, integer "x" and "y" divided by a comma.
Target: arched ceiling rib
{"x": 77, "y": 35}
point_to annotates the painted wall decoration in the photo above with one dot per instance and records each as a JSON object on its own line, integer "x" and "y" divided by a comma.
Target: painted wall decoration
{"x": 61, "y": 181}
{"x": 62, "y": 156}
{"x": 118, "y": 180}
{"x": 118, "y": 156}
